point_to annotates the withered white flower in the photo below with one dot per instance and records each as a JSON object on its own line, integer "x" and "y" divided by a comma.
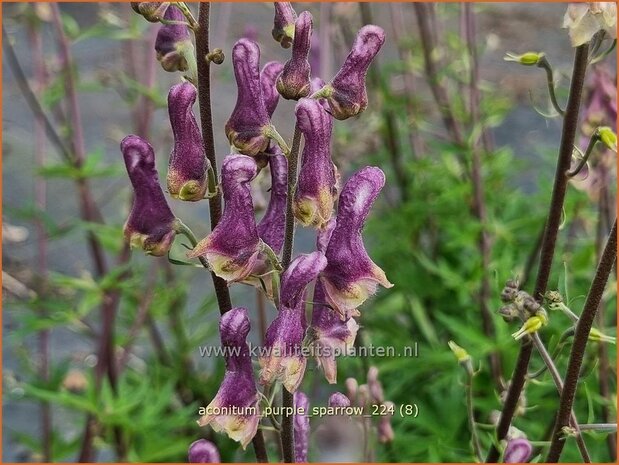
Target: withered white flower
{"x": 584, "y": 20}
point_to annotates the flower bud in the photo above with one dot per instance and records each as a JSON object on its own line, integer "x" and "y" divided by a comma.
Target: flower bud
{"x": 232, "y": 248}
{"x": 316, "y": 189}
{"x": 532, "y": 325}
{"x": 187, "y": 171}
{"x": 249, "y": 125}
{"x": 597, "y": 336}
{"x": 173, "y": 43}
{"x": 272, "y": 226}
{"x": 527, "y": 59}
{"x": 203, "y": 451}
{"x": 584, "y": 20}
{"x": 216, "y": 56}
{"x": 346, "y": 94}
{"x": 301, "y": 427}
{"x": 284, "y": 337}
{"x": 517, "y": 451}
{"x": 150, "y": 225}
{"x": 337, "y": 399}
{"x": 294, "y": 81}
{"x": 608, "y": 137}
{"x": 376, "y": 388}
{"x": 352, "y": 388}
{"x": 238, "y": 389}
{"x": 268, "y": 76}
{"x": 385, "y": 430}
{"x": 151, "y": 11}
{"x": 351, "y": 276}
{"x": 283, "y": 23}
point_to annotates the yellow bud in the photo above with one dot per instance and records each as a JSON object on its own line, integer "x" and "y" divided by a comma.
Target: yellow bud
{"x": 527, "y": 59}
{"x": 461, "y": 355}
{"x": 597, "y": 336}
{"x": 531, "y": 326}
{"x": 608, "y": 137}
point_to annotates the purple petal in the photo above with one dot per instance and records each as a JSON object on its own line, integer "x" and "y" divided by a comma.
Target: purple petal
{"x": 150, "y": 223}
{"x": 173, "y": 42}
{"x": 316, "y": 189}
{"x": 233, "y": 246}
{"x": 517, "y": 451}
{"x": 331, "y": 335}
{"x": 238, "y": 388}
{"x": 187, "y": 170}
{"x": 203, "y": 451}
{"x": 284, "y": 337}
{"x": 273, "y": 224}
{"x": 283, "y": 23}
{"x": 294, "y": 81}
{"x": 337, "y": 399}
{"x": 268, "y": 77}
{"x": 348, "y": 95}
{"x": 249, "y": 123}
{"x": 351, "y": 276}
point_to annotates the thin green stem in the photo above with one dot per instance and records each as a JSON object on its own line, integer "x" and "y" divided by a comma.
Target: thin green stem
{"x": 471, "y": 416}
{"x": 595, "y": 138}
{"x": 553, "y": 222}
{"x": 550, "y": 82}
{"x": 581, "y": 337}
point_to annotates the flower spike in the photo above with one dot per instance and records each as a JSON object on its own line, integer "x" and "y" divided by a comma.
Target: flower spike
{"x": 187, "y": 172}
{"x": 351, "y": 276}
{"x": 151, "y": 224}
{"x": 237, "y": 392}
{"x": 232, "y": 248}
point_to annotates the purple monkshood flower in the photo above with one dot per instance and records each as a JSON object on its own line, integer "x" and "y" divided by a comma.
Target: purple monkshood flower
{"x": 249, "y": 125}
{"x": 268, "y": 76}
{"x": 301, "y": 427}
{"x": 237, "y": 397}
{"x": 375, "y": 387}
{"x": 173, "y": 43}
{"x": 203, "y": 451}
{"x": 330, "y": 335}
{"x": 232, "y": 248}
{"x": 346, "y": 93}
{"x": 385, "y": 430}
{"x": 187, "y": 170}
{"x": 337, "y": 399}
{"x": 151, "y": 223}
{"x": 294, "y": 81}
{"x": 283, "y": 23}
{"x": 351, "y": 276}
{"x": 517, "y": 451}
{"x": 284, "y": 337}
{"x": 272, "y": 226}
{"x": 316, "y": 189}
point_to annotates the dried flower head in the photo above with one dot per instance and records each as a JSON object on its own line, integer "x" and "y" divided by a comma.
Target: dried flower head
{"x": 584, "y": 20}
{"x": 151, "y": 224}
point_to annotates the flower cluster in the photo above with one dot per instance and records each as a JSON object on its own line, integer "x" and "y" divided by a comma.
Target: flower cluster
{"x": 339, "y": 274}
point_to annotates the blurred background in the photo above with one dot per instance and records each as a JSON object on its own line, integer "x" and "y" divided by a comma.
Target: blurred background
{"x": 67, "y": 275}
